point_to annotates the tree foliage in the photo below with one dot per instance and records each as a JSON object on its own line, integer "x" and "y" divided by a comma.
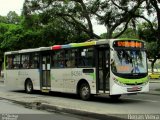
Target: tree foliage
{"x": 80, "y": 13}
{"x": 13, "y": 18}
{"x": 151, "y": 33}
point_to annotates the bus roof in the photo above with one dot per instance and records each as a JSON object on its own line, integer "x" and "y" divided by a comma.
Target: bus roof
{"x": 70, "y": 45}
{"x": 28, "y": 50}
{"x": 82, "y": 44}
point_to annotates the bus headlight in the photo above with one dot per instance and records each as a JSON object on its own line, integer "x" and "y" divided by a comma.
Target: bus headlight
{"x": 118, "y": 82}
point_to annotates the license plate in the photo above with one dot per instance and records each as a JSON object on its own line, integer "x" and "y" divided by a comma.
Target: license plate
{"x": 135, "y": 88}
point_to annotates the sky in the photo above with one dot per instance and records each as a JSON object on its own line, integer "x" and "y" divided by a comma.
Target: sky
{"x": 11, "y": 5}
{"x": 17, "y": 5}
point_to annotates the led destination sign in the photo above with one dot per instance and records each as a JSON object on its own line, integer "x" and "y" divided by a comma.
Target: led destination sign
{"x": 133, "y": 44}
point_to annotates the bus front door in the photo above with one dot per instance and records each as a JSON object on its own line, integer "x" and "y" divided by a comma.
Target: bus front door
{"x": 103, "y": 73}
{"x": 45, "y": 76}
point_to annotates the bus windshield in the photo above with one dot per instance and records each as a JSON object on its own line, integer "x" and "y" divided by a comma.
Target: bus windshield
{"x": 129, "y": 61}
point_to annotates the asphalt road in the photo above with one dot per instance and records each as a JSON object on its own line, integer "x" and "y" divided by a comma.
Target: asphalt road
{"x": 10, "y": 110}
{"x": 154, "y": 85}
{"x": 134, "y": 104}
{"x": 8, "y": 107}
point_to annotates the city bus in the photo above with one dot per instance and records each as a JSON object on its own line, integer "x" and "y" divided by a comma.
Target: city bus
{"x": 105, "y": 66}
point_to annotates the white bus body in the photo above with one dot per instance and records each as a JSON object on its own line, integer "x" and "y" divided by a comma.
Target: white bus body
{"x": 83, "y": 80}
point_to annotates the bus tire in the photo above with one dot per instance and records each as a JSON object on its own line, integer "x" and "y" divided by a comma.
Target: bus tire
{"x": 29, "y": 86}
{"x": 114, "y": 97}
{"x": 84, "y": 91}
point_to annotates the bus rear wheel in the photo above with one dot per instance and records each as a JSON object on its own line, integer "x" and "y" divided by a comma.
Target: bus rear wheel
{"x": 84, "y": 91}
{"x": 28, "y": 86}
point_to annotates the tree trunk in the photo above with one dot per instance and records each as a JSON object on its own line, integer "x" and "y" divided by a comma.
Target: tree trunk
{"x": 152, "y": 64}
{"x": 0, "y": 67}
{"x": 109, "y": 33}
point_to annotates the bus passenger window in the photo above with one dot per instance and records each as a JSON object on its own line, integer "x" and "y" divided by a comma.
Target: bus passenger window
{"x": 16, "y": 61}
{"x": 26, "y": 64}
{"x": 25, "y": 61}
{"x": 86, "y": 58}
{"x": 71, "y": 57}
{"x": 62, "y": 64}
{"x": 9, "y": 62}
{"x": 71, "y": 63}
{"x": 34, "y": 60}
{"x": 36, "y": 64}
{"x": 58, "y": 59}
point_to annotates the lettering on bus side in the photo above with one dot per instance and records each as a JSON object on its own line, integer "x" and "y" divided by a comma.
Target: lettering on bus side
{"x": 76, "y": 73}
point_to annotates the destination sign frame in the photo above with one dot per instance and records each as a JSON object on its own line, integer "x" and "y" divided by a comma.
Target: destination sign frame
{"x": 128, "y": 44}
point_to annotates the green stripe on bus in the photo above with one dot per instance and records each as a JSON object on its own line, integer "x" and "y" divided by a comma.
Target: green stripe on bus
{"x": 93, "y": 75}
{"x": 52, "y": 77}
{"x": 132, "y": 81}
{"x": 83, "y": 44}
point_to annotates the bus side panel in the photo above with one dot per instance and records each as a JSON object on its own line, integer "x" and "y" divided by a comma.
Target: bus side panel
{"x": 59, "y": 77}
{"x": 66, "y": 80}
{"x": 11, "y": 80}
{"x": 32, "y": 74}
{"x": 84, "y": 74}
{"x": 15, "y": 79}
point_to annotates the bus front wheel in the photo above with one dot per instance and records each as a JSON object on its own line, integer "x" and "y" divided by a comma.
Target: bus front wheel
{"x": 85, "y": 91}
{"x": 28, "y": 86}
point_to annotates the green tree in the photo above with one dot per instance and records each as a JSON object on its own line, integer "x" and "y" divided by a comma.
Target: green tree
{"x": 152, "y": 33}
{"x": 150, "y": 37}
{"x": 80, "y": 13}
{"x": 13, "y": 18}
{"x": 10, "y": 35}
{"x": 53, "y": 29}
{"x": 3, "y": 19}
{"x": 118, "y": 14}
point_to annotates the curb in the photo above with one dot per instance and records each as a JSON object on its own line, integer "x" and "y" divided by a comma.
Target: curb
{"x": 80, "y": 112}
{"x": 154, "y": 82}
{"x": 60, "y": 109}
